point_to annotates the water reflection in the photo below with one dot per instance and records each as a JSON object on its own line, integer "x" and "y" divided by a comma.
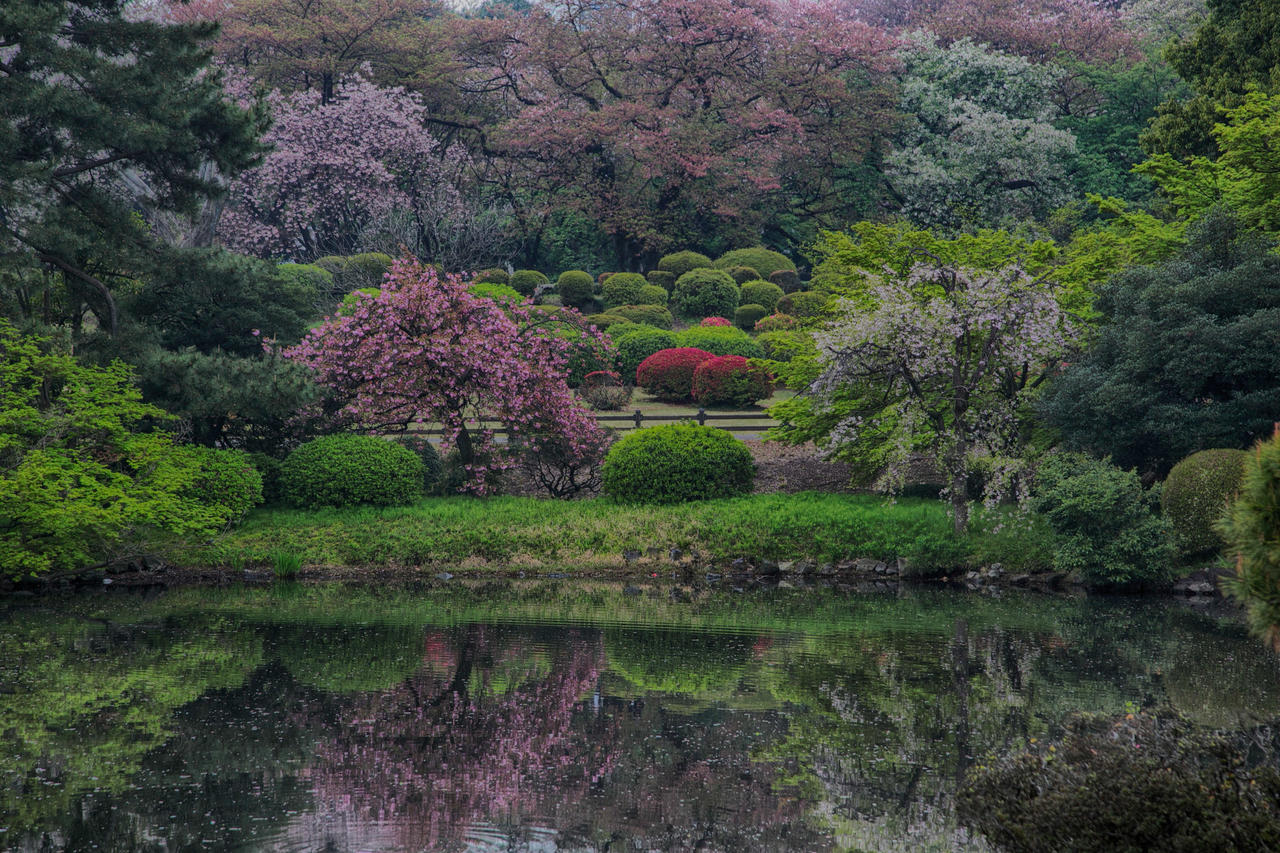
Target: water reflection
{"x": 535, "y": 717}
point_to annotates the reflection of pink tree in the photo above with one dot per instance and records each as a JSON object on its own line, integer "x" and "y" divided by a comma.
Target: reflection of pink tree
{"x": 432, "y": 754}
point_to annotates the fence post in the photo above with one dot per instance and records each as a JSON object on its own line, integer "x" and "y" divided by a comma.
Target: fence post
{"x": 702, "y": 416}
{"x": 639, "y": 418}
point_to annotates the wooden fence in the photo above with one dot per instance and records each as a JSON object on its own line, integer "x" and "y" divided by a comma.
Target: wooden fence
{"x": 737, "y": 422}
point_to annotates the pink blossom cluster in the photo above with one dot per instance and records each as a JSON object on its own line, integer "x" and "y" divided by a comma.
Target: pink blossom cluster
{"x": 425, "y": 351}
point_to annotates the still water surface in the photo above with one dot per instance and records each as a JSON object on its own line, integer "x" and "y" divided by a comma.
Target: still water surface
{"x": 562, "y": 716}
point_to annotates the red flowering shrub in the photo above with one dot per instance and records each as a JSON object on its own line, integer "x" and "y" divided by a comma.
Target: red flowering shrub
{"x": 715, "y": 321}
{"x": 776, "y": 323}
{"x": 668, "y": 373}
{"x": 730, "y": 380}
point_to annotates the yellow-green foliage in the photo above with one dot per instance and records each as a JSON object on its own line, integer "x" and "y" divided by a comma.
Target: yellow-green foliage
{"x": 1252, "y": 530}
{"x": 1196, "y": 493}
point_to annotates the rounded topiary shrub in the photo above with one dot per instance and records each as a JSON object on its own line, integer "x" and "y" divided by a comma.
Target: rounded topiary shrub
{"x": 705, "y": 293}
{"x": 762, "y": 293}
{"x": 493, "y": 275}
{"x": 527, "y": 282}
{"x": 637, "y": 345}
{"x": 662, "y": 278}
{"x": 1196, "y": 494}
{"x": 225, "y": 479}
{"x": 607, "y": 320}
{"x": 622, "y": 288}
{"x": 679, "y": 263}
{"x": 787, "y": 280}
{"x": 776, "y": 323}
{"x": 651, "y": 294}
{"x": 496, "y": 292}
{"x": 721, "y": 341}
{"x": 803, "y": 305}
{"x": 668, "y": 373}
{"x": 742, "y": 275}
{"x": 747, "y": 316}
{"x": 364, "y": 270}
{"x": 346, "y": 470}
{"x": 575, "y": 288}
{"x": 762, "y": 260}
{"x": 309, "y": 280}
{"x": 648, "y": 315}
{"x": 679, "y": 462}
{"x": 730, "y": 380}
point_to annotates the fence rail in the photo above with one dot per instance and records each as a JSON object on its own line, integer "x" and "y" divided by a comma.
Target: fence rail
{"x": 760, "y": 421}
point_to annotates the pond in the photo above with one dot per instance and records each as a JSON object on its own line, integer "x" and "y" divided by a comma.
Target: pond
{"x": 561, "y": 715}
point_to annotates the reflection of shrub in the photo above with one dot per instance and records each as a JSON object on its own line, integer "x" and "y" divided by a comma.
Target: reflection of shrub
{"x": 345, "y": 470}
{"x": 668, "y": 373}
{"x": 805, "y": 304}
{"x": 1250, "y": 530}
{"x": 762, "y": 293}
{"x": 678, "y": 462}
{"x": 1196, "y": 494}
{"x": 730, "y": 380}
{"x": 527, "y": 282}
{"x": 651, "y": 294}
{"x": 1106, "y": 527}
{"x": 622, "y": 288}
{"x": 351, "y": 659}
{"x": 646, "y": 315}
{"x": 762, "y": 260}
{"x": 725, "y": 341}
{"x": 635, "y": 346}
{"x": 669, "y": 661}
{"x": 575, "y": 288}
{"x": 679, "y": 263}
{"x": 747, "y": 316}
{"x": 1136, "y": 784}
{"x": 705, "y": 293}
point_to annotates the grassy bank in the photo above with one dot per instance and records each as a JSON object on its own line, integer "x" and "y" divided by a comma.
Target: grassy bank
{"x": 524, "y": 532}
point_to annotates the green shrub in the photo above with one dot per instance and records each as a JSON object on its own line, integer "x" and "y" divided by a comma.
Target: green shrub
{"x": 575, "y": 288}
{"x": 432, "y": 466}
{"x": 705, "y": 293}
{"x": 352, "y": 299}
{"x": 493, "y": 275}
{"x": 668, "y": 373}
{"x": 675, "y": 463}
{"x": 496, "y": 292}
{"x": 1249, "y": 528}
{"x": 226, "y": 480}
{"x": 803, "y": 305}
{"x": 742, "y": 275}
{"x": 662, "y": 278}
{"x": 679, "y": 263}
{"x": 345, "y": 470}
{"x": 747, "y": 316}
{"x": 608, "y": 320}
{"x": 356, "y": 271}
{"x": 1195, "y": 495}
{"x": 762, "y": 293}
{"x": 1105, "y": 523}
{"x": 720, "y": 340}
{"x": 626, "y": 327}
{"x": 652, "y": 294}
{"x": 648, "y": 315}
{"x": 784, "y": 344}
{"x": 309, "y": 280}
{"x": 527, "y": 282}
{"x": 285, "y": 564}
{"x": 621, "y": 288}
{"x": 787, "y": 280}
{"x": 762, "y": 260}
{"x": 776, "y": 323}
{"x": 1132, "y": 784}
{"x": 637, "y": 345}
{"x": 268, "y": 468}
{"x": 334, "y": 265}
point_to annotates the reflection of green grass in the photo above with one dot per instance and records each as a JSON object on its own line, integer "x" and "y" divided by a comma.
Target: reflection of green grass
{"x": 595, "y": 533}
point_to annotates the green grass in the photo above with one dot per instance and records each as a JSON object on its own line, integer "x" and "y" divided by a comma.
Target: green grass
{"x": 593, "y": 534}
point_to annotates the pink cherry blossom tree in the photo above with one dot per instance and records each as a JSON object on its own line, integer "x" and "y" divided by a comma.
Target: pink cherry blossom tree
{"x": 941, "y": 362}
{"x": 425, "y": 350}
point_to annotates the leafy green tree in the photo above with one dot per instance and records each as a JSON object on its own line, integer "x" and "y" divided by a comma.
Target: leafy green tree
{"x": 1188, "y": 357}
{"x": 145, "y": 126}
{"x": 79, "y": 481}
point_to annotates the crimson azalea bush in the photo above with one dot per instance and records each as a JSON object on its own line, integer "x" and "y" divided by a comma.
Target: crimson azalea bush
{"x": 716, "y": 321}
{"x": 425, "y": 350}
{"x": 776, "y": 323}
{"x": 730, "y": 380}
{"x": 668, "y": 373}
